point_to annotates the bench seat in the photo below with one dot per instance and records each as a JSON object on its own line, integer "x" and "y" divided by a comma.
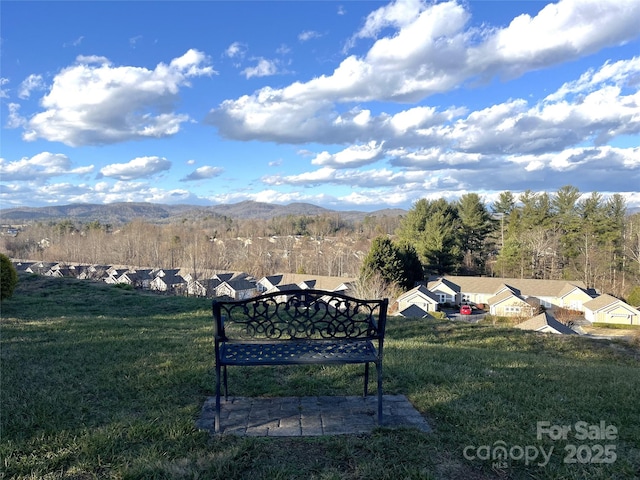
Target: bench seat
{"x": 294, "y": 352}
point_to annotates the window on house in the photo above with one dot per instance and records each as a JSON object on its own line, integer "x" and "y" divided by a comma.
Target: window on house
{"x": 512, "y": 309}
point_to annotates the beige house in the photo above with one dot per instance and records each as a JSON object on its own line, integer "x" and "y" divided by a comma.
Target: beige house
{"x": 420, "y": 297}
{"x": 548, "y": 293}
{"x": 445, "y": 291}
{"x": 508, "y": 303}
{"x": 573, "y": 297}
{"x": 609, "y": 309}
{"x": 237, "y": 289}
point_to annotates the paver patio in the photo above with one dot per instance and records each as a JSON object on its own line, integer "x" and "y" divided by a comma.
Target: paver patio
{"x": 309, "y": 416}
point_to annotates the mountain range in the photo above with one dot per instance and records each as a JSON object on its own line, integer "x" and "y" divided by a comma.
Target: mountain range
{"x": 117, "y": 213}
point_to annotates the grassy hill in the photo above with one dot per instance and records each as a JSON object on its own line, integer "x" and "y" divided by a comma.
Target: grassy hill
{"x": 102, "y": 382}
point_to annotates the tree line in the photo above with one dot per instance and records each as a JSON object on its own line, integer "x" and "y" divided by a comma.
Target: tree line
{"x": 564, "y": 235}
{"x": 561, "y": 235}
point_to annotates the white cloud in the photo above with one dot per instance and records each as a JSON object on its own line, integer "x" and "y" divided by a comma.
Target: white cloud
{"x": 3, "y": 91}
{"x": 560, "y": 31}
{"x": 432, "y": 51}
{"x": 40, "y": 167}
{"x": 202, "y": 173}
{"x": 351, "y": 157}
{"x": 67, "y": 193}
{"x": 15, "y": 120}
{"x": 141, "y": 167}
{"x": 264, "y": 68}
{"x": 236, "y": 49}
{"x": 308, "y": 35}
{"x": 32, "y": 82}
{"x": 93, "y": 103}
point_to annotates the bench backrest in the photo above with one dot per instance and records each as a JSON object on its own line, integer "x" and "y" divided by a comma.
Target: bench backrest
{"x": 300, "y": 314}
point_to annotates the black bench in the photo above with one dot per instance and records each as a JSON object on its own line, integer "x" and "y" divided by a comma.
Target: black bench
{"x": 298, "y": 327}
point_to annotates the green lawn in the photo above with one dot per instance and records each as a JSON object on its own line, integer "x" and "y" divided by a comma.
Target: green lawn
{"x": 102, "y": 382}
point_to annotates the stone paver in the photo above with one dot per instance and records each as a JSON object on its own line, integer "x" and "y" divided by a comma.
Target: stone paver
{"x": 309, "y": 416}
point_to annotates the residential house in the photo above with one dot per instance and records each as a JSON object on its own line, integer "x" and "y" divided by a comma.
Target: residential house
{"x": 445, "y": 291}
{"x": 139, "y": 278}
{"x": 113, "y": 274}
{"x": 22, "y": 266}
{"x": 39, "y": 268}
{"x": 285, "y": 289}
{"x": 573, "y": 297}
{"x": 421, "y": 297}
{"x": 168, "y": 282}
{"x": 549, "y": 293}
{"x": 609, "y": 309}
{"x": 94, "y": 272}
{"x": 60, "y": 271}
{"x": 237, "y": 289}
{"x": 267, "y": 283}
{"x": 545, "y": 323}
{"x": 508, "y": 303}
{"x": 316, "y": 282}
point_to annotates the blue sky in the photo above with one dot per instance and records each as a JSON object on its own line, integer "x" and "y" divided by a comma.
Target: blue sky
{"x": 344, "y": 104}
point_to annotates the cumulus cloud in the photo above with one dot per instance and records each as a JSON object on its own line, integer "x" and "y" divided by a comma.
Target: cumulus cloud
{"x": 236, "y": 49}
{"x": 141, "y": 167}
{"x": 32, "y": 82}
{"x": 263, "y": 68}
{"x": 202, "y": 173}
{"x": 94, "y": 102}
{"x": 431, "y": 50}
{"x": 103, "y": 192}
{"x": 353, "y": 156}
{"x": 39, "y": 167}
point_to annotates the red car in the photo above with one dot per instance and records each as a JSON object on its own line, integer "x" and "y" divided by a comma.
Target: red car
{"x": 465, "y": 310}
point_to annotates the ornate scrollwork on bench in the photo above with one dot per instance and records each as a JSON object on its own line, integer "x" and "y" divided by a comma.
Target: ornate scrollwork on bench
{"x": 299, "y": 327}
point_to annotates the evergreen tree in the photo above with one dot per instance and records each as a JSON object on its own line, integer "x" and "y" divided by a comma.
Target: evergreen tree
{"x": 433, "y": 229}
{"x": 8, "y": 277}
{"x": 384, "y": 259}
{"x": 475, "y": 226}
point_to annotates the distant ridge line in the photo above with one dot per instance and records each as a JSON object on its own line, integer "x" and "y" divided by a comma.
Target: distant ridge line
{"x": 124, "y": 212}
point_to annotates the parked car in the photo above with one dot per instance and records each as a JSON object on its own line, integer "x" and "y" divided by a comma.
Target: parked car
{"x": 465, "y": 310}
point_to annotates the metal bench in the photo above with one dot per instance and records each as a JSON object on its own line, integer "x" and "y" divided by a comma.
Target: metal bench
{"x": 295, "y": 328}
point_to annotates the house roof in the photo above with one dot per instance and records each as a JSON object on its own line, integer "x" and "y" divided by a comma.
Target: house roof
{"x": 413, "y": 311}
{"x": 319, "y": 282}
{"x": 542, "y": 321}
{"x": 241, "y": 284}
{"x": 604, "y": 301}
{"x": 420, "y": 289}
{"x": 443, "y": 281}
{"x": 272, "y": 280}
{"x": 504, "y": 295}
{"x": 285, "y": 287}
{"x": 169, "y": 279}
{"x": 526, "y": 286}
{"x": 569, "y": 288}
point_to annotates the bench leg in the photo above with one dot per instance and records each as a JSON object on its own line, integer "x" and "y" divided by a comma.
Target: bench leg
{"x": 217, "y": 415}
{"x": 379, "y": 370}
{"x": 366, "y": 379}
{"x": 226, "y": 389}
